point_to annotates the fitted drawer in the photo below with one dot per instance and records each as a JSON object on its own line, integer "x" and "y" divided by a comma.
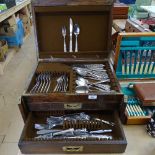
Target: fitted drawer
{"x": 28, "y": 144}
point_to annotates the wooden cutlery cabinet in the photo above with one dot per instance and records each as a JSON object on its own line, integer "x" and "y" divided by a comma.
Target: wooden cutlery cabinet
{"x": 55, "y": 66}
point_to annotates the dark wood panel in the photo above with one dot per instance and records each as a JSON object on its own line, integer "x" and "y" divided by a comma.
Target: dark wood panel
{"x": 94, "y": 36}
{"x": 71, "y": 2}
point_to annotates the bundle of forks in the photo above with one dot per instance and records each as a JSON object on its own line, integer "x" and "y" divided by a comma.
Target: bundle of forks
{"x": 44, "y": 80}
{"x": 62, "y": 84}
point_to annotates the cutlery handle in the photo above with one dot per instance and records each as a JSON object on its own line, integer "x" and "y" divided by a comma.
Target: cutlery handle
{"x": 107, "y": 80}
{"x": 76, "y": 44}
{"x": 70, "y": 44}
{"x": 65, "y": 50}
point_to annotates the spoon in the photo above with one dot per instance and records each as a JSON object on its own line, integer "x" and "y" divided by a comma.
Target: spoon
{"x": 85, "y": 72}
{"x": 82, "y": 90}
{"x": 85, "y": 81}
{"x": 85, "y": 89}
{"x": 81, "y": 71}
{"x": 76, "y": 33}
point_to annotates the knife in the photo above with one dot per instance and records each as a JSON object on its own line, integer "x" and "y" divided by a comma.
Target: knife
{"x": 71, "y": 32}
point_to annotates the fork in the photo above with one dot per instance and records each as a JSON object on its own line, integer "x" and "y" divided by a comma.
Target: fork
{"x": 64, "y": 36}
{"x": 37, "y": 84}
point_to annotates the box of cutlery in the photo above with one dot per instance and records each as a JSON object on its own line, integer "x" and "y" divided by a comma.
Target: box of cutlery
{"x": 72, "y": 100}
{"x": 135, "y": 68}
{"x": 73, "y": 40}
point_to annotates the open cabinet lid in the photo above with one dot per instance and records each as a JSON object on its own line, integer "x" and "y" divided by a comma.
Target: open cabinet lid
{"x": 134, "y": 56}
{"x": 94, "y": 18}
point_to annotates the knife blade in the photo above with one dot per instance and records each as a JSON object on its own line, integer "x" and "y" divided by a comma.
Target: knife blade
{"x": 71, "y": 32}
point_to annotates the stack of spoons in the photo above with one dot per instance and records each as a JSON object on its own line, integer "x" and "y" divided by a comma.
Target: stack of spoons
{"x": 87, "y": 73}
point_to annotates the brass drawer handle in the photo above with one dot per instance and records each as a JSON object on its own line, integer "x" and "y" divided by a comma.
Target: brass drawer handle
{"x": 72, "y": 106}
{"x": 72, "y": 148}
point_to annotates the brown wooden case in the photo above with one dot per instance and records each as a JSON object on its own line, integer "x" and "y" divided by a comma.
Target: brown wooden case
{"x": 120, "y": 11}
{"x": 94, "y": 18}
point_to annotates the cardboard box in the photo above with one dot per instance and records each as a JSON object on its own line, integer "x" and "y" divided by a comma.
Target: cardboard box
{"x": 10, "y": 21}
{"x": 8, "y": 30}
{"x": 3, "y": 50}
{"x": 26, "y": 28}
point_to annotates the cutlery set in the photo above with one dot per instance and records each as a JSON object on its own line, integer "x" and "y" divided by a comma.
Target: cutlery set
{"x": 89, "y": 78}
{"x": 133, "y": 108}
{"x": 73, "y": 29}
{"x": 49, "y": 131}
{"x": 88, "y": 72}
{"x": 43, "y": 83}
{"x": 73, "y": 74}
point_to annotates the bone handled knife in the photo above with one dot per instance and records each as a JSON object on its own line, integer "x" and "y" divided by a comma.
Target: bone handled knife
{"x": 71, "y": 33}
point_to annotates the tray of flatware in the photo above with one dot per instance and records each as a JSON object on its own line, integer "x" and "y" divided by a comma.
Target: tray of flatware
{"x": 55, "y": 78}
{"x": 89, "y": 73}
{"x": 65, "y": 130}
{"x": 135, "y": 113}
{"x": 77, "y": 78}
{"x": 72, "y": 126}
{"x": 93, "y": 78}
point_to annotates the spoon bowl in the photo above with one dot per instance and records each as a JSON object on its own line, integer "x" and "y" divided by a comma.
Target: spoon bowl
{"x": 76, "y": 29}
{"x": 82, "y": 89}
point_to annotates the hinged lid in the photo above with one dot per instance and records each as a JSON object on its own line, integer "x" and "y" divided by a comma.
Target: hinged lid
{"x": 93, "y": 16}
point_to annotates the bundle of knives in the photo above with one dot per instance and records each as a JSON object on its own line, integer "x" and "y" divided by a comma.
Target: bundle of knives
{"x": 73, "y": 29}
{"x": 43, "y": 83}
{"x": 50, "y": 131}
{"x": 74, "y": 133}
{"x": 133, "y": 107}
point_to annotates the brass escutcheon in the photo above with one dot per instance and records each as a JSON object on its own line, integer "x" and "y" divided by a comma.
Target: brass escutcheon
{"x": 72, "y": 106}
{"x": 72, "y": 148}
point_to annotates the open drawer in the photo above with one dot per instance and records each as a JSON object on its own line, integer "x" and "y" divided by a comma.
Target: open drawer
{"x": 28, "y": 144}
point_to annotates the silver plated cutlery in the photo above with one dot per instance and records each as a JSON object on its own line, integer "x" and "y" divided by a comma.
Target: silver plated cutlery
{"x": 88, "y": 72}
{"x": 43, "y": 83}
{"x": 73, "y": 29}
{"x": 62, "y": 84}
